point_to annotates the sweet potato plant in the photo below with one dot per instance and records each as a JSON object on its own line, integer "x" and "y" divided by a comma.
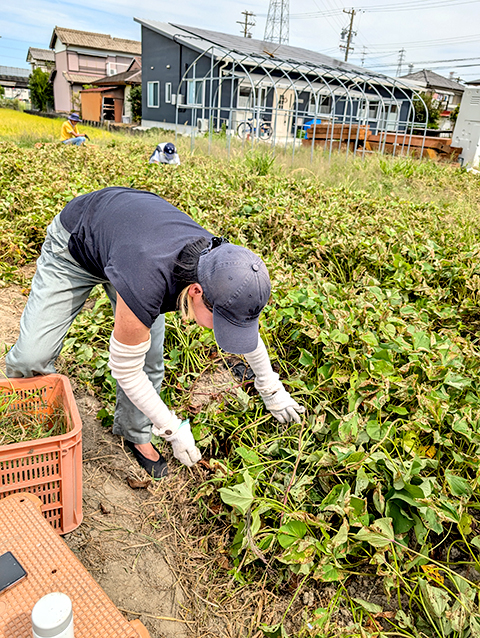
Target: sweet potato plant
{"x": 372, "y": 325}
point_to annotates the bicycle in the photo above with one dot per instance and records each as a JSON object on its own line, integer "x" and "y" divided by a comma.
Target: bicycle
{"x": 247, "y": 127}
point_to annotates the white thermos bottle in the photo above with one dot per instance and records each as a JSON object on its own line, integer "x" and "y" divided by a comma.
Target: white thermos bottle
{"x": 52, "y": 617}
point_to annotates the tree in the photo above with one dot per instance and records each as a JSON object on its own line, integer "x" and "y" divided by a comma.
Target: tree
{"x": 454, "y": 114}
{"x": 41, "y": 89}
{"x": 135, "y": 99}
{"x": 433, "y": 110}
{"x": 2, "y": 91}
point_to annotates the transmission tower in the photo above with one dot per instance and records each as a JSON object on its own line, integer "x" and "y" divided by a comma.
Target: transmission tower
{"x": 246, "y": 23}
{"x": 349, "y": 33}
{"x": 401, "y": 58}
{"x": 278, "y": 18}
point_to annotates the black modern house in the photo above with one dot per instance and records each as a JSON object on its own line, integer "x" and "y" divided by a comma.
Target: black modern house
{"x": 199, "y": 80}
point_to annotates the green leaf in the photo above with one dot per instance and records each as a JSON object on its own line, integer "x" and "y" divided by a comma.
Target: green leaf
{"x": 370, "y": 607}
{"x": 369, "y": 338}
{"x": 379, "y": 535}
{"x": 306, "y": 359}
{"x": 240, "y": 496}
{"x": 348, "y": 428}
{"x": 456, "y": 381}
{"x": 421, "y": 341}
{"x": 436, "y": 599}
{"x": 475, "y": 625}
{"x": 291, "y": 531}
{"x": 301, "y": 552}
{"x": 338, "y": 337}
{"x": 249, "y": 456}
{"x": 328, "y": 573}
{"x": 273, "y": 631}
{"x": 458, "y": 485}
{"x": 380, "y": 367}
{"x": 476, "y": 541}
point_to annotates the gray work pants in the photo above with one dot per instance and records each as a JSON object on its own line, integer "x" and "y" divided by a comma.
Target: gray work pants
{"x": 60, "y": 288}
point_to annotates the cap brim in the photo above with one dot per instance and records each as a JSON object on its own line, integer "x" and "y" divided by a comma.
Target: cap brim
{"x": 235, "y": 339}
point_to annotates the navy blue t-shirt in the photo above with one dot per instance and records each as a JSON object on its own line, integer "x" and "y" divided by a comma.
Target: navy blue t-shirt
{"x": 132, "y": 239}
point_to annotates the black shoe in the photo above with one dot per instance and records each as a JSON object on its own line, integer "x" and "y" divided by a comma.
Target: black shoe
{"x": 156, "y": 469}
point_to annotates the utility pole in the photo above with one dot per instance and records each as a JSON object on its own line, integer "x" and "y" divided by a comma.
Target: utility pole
{"x": 410, "y": 68}
{"x": 401, "y": 58}
{"x": 278, "y": 19}
{"x": 246, "y": 23}
{"x": 349, "y": 33}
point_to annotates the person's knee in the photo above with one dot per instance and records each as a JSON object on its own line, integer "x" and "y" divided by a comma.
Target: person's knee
{"x": 28, "y": 363}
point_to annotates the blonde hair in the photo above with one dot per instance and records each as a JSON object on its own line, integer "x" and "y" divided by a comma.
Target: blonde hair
{"x": 185, "y": 305}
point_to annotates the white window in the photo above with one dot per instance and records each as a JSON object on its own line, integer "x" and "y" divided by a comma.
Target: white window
{"x": 322, "y": 104}
{"x": 168, "y": 92}
{"x": 153, "y": 99}
{"x": 195, "y": 92}
{"x": 245, "y": 97}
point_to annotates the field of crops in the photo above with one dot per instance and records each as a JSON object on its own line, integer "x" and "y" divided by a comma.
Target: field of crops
{"x": 373, "y": 326}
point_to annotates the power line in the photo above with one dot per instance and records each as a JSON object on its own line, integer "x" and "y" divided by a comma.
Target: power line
{"x": 405, "y": 6}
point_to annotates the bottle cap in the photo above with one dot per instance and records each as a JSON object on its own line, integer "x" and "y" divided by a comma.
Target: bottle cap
{"x": 51, "y": 615}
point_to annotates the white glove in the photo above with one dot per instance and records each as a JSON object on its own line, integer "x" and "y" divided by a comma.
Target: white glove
{"x": 277, "y": 400}
{"x": 183, "y": 444}
{"x": 283, "y": 407}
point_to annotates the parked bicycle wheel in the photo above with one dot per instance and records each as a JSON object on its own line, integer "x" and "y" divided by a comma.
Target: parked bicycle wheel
{"x": 265, "y": 131}
{"x": 243, "y": 129}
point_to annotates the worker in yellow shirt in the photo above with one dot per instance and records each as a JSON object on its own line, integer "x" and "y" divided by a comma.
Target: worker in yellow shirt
{"x": 70, "y": 134}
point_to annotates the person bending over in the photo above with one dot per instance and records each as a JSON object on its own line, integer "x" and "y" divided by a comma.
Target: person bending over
{"x": 164, "y": 153}
{"x": 151, "y": 258}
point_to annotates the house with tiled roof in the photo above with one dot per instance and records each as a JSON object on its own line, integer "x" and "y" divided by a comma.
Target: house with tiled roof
{"x": 81, "y": 57}
{"x": 15, "y": 83}
{"x": 446, "y": 91}
{"x": 41, "y": 59}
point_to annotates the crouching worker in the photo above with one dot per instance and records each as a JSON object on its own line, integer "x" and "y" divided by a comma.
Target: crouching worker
{"x": 69, "y": 133}
{"x": 165, "y": 153}
{"x": 151, "y": 258}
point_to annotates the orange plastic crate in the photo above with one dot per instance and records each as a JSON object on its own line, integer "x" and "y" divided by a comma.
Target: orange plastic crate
{"x": 52, "y": 566}
{"x": 50, "y": 468}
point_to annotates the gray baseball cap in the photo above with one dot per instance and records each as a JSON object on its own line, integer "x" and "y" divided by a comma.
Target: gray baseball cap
{"x": 236, "y": 282}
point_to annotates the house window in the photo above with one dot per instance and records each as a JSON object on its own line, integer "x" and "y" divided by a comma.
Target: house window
{"x": 168, "y": 92}
{"x": 323, "y": 104}
{"x": 195, "y": 92}
{"x": 91, "y": 64}
{"x": 153, "y": 100}
{"x": 245, "y": 97}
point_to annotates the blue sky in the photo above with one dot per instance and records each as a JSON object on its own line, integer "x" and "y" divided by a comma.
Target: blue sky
{"x": 442, "y": 35}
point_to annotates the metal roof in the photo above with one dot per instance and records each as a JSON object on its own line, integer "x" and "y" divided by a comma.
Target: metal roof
{"x": 100, "y": 41}
{"x": 14, "y": 71}
{"x": 238, "y": 47}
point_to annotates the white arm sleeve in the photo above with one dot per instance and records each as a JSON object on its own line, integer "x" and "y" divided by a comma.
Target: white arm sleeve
{"x": 126, "y": 363}
{"x": 266, "y": 380}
